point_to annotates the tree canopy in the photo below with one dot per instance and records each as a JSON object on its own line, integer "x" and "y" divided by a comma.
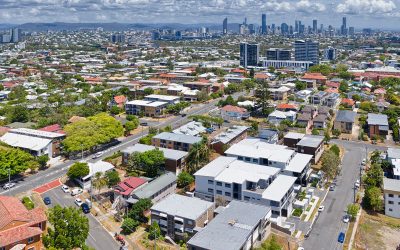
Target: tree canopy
{"x": 96, "y": 130}
{"x": 330, "y": 164}
{"x": 150, "y": 161}
{"x": 78, "y": 169}
{"x": 70, "y": 228}
{"x": 15, "y": 160}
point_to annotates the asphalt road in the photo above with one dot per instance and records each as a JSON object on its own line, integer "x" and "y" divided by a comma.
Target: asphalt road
{"x": 328, "y": 225}
{"x": 98, "y": 237}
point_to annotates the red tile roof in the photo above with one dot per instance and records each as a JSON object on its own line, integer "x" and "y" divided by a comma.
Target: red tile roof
{"x": 13, "y": 211}
{"x": 332, "y": 90}
{"x": 314, "y": 76}
{"x": 333, "y": 84}
{"x": 230, "y": 108}
{"x": 128, "y": 185}
{"x": 286, "y": 106}
{"x": 347, "y": 101}
{"x": 380, "y": 91}
{"x": 120, "y": 99}
{"x": 239, "y": 71}
{"x": 56, "y": 128}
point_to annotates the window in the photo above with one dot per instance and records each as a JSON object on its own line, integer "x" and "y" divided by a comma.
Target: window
{"x": 228, "y": 194}
{"x": 246, "y": 198}
{"x": 210, "y": 182}
{"x": 189, "y": 222}
{"x": 219, "y": 192}
{"x": 30, "y": 240}
{"x": 391, "y": 202}
{"x": 391, "y": 210}
{"x": 391, "y": 195}
{"x": 255, "y": 160}
{"x": 227, "y": 185}
{"x": 219, "y": 183}
{"x": 210, "y": 190}
{"x": 240, "y": 158}
{"x": 247, "y": 159}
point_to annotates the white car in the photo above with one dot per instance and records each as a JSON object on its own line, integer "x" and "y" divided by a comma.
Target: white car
{"x": 76, "y": 191}
{"x": 346, "y": 218}
{"x": 97, "y": 155}
{"x": 78, "y": 202}
{"x": 65, "y": 189}
{"x": 364, "y": 161}
{"x": 357, "y": 184}
{"x": 9, "y": 185}
{"x": 321, "y": 208}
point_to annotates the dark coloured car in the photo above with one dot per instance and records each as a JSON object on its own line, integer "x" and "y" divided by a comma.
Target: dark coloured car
{"x": 47, "y": 200}
{"x": 341, "y": 237}
{"x": 85, "y": 208}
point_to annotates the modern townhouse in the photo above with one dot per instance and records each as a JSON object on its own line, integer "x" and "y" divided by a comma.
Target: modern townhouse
{"x": 163, "y": 98}
{"x": 178, "y": 215}
{"x": 306, "y": 144}
{"x": 239, "y": 226}
{"x": 318, "y": 98}
{"x": 304, "y": 95}
{"x": 378, "y": 125}
{"x": 332, "y": 99}
{"x": 227, "y": 178}
{"x": 175, "y": 141}
{"x": 279, "y": 94}
{"x": 229, "y": 137}
{"x": 260, "y": 152}
{"x": 276, "y": 117}
{"x": 146, "y": 108}
{"x": 391, "y": 194}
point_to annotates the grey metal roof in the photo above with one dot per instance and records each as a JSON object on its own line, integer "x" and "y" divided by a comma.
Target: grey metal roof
{"x": 346, "y": 116}
{"x": 393, "y": 153}
{"x": 155, "y": 186}
{"x": 230, "y": 134}
{"x": 377, "y": 119}
{"x": 231, "y": 228}
{"x": 178, "y": 137}
{"x": 169, "y": 154}
{"x": 391, "y": 185}
{"x": 182, "y": 206}
{"x": 311, "y": 141}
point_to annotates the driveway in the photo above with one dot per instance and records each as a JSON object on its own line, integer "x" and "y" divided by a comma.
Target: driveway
{"x": 98, "y": 237}
{"x": 328, "y": 225}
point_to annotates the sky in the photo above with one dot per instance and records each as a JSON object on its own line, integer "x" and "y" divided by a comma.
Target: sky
{"x": 384, "y": 14}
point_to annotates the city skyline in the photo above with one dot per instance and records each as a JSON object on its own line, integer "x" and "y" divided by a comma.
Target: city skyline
{"x": 370, "y": 13}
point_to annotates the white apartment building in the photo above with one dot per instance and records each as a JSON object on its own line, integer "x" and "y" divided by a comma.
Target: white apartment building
{"x": 391, "y": 194}
{"x": 228, "y": 178}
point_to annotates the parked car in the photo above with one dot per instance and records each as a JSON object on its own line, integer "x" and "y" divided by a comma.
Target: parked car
{"x": 65, "y": 189}
{"x": 85, "y": 208}
{"x": 341, "y": 237}
{"x": 364, "y": 161}
{"x": 88, "y": 202}
{"x": 346, "y": 218}
{"x": 144, "y": 124}
{"x": 321, "y": 208}
{"x": 47, "y": 200}
{"x": 332, "y": 188}
{"x": 9, "y": 185}
{"x": 76, "y": 191}
{"x": 97, "y": 155}
{"x": 78, "y": 202}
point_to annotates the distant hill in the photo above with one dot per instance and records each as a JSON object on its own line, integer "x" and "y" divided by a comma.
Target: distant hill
{"x": 4, "y": 26}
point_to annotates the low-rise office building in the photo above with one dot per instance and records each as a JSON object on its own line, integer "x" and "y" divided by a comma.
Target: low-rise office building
{"x": 146, "y": 108}
{"x": 175, "y": 141}
{"x": 178, "y": 215}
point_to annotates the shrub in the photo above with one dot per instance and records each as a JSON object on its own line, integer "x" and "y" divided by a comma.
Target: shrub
{"x": 28, "y": 203}
{"x": 297, "y": 212}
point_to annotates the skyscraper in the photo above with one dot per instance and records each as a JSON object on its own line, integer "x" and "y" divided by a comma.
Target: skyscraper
{"x": 225, "y": 26}
{"x": 330, "y": 54}
{"x": 306, "y": 50}
{"x": 296, "y": 25}
{"x": 284, "y": 29}
{"x": 278, "y": 54}
{"x": 15, "y": 35}
{"x": 344, "y": 27}
{"x": 264, "y": 24}
{"x": 315, "y": 26}
{"x": 249, "y": 54}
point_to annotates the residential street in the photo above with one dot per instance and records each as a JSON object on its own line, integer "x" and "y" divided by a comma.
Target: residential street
{"x": 326, "y": 229}
{"x": 98, "y": 237}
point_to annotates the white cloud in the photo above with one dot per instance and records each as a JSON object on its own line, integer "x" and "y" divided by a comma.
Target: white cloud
{"x": 366, "y": 6}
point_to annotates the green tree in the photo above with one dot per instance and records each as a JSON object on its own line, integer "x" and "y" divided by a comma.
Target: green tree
{"x": 18, "y": 113}
{"x": 184, "y": 179}
{"x": 335, "y": 149}
{"x": 352, "y": 210}
{"x": 14, "y": 160}
{"x": 99, "y": 181}
{"x": 372, "y": 198}
{"x": 301, "y": 85}
{"x": 138, "y": 209}
{"x": 262, "y": 96}
{"x": 69, "y": 229}
{"x": 374, "y": 176}
{"x": 42, "y": 160}
{"x": 112, "y": 178}
{"x": 96, "y": 130}
{"x": 129, "y": 226}
{"x": 154, "y": 231}
{"x": 148, "y": 91}
{"x": 315, "y": 131}
{"x": 77, "y": 170}
{"x": 198, "y": 156}
{"x": 115, "y": 110}
{"x": 344, "y": 87}
{"x": 330, "y": 164}
{"x": 130, "y": 125}
{"x": 150, "y": 161}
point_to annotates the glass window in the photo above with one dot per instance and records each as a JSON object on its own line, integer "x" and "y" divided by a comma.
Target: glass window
{"x": 219, "y": 192}
{"x": 228, "y": 194}
{"x": 210, "y": 182}
{"x": 390, "y": 195}
{"x": 30, "y": 239}
{"x": 210, "y": 190}
{"x": 391, "y": 202}
{"x": 219, "y": 183}
{"x": 227, "y": 185}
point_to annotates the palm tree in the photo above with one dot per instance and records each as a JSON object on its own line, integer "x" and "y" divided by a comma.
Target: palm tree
{"x": 99, "y": 181}
{"x": 199, "y": 155}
